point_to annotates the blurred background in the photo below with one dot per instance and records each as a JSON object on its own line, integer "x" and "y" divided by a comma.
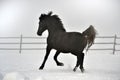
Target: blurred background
{"x": 22, "y": 16}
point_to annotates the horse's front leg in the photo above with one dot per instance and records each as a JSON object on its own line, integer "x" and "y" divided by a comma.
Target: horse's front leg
{"x": 55, "y": 58}
{"x": 48, "y": 49}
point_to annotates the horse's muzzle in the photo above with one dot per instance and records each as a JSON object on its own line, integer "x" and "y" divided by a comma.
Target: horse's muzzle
{"x": 39, "y": 34}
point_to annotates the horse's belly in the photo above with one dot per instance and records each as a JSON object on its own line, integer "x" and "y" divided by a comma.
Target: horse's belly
{"x": 67, "y": 48}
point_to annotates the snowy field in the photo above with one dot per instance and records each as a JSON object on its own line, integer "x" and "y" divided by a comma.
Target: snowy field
{"x": 24, "y": 66}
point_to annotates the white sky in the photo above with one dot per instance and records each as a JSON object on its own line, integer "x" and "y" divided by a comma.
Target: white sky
{"x": 21, "y": 16}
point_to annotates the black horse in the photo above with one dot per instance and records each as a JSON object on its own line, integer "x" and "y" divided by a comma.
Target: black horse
{"x": 65, "y": 42}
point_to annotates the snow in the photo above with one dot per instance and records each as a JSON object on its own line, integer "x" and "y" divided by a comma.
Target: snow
{"x": 14, "y": 76}
{"x": 1, "y": 76}
{"x": 24, "y": 66}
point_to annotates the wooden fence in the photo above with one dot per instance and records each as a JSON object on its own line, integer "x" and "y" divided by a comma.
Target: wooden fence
{"x": 20, "y": 41}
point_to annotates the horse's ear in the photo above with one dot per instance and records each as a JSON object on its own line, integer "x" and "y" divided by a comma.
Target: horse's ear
{"x": 42, "y": 16}
{"x": 50, "y": 13}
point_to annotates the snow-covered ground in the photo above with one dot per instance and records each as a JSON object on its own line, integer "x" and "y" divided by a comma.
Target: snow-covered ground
{"x": 24, "y": 66}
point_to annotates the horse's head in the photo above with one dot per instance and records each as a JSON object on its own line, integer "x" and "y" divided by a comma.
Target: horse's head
{"x": 43, "y": 23}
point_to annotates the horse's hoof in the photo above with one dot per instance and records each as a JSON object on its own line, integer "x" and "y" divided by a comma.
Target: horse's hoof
{"x": 75, "y": 69}
{"x": 60, "y": 64}
{"x": 82, "y": 70}
{"x": 41, "y": 68}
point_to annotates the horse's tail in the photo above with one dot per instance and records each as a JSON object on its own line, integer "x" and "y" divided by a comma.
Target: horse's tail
{"x": 90, "y": 34}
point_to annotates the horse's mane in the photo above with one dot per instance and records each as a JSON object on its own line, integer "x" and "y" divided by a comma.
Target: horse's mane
{"x": 59, "y": 22}
{"x": 55, "y": 18}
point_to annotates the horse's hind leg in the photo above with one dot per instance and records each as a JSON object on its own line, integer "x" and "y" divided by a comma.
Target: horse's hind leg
{"x": 81, "y": 62}
{"x": 77, "y": 64}
{"x": 80, "y": 58}
{"x": 55, "y": 58}
{"x": 46, "y": 56}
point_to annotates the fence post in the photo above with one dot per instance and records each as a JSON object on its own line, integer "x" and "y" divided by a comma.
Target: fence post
{"x": 114, "y": 44}
{"x": 20, "y": 49}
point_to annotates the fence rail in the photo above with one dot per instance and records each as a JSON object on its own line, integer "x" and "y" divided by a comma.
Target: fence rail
{"x": 21, "y": 42}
